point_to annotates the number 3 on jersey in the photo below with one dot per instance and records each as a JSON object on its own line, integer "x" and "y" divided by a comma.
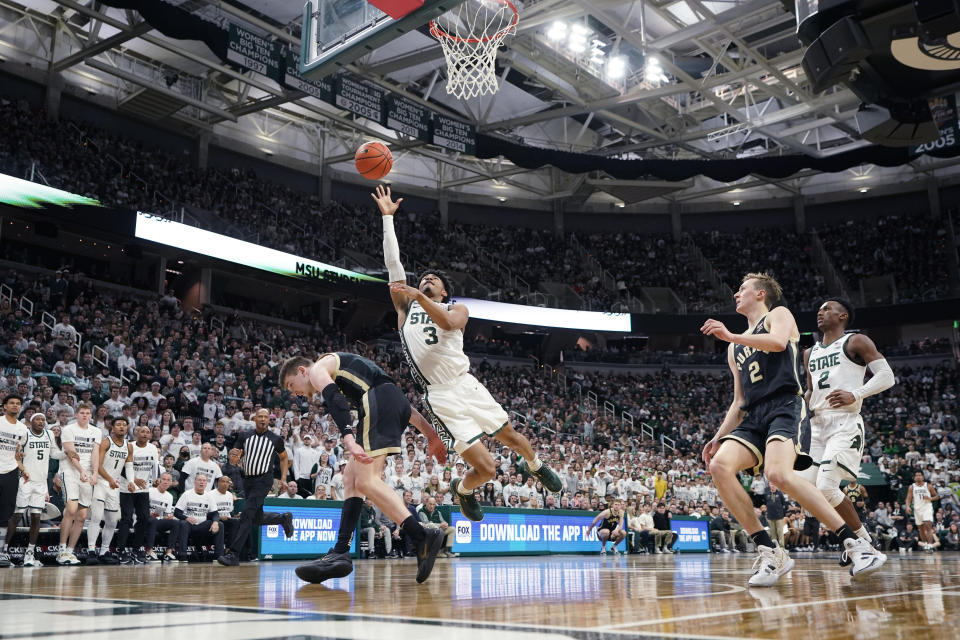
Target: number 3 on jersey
{"x": 755, "y": 375}
{"x": 431, "y": 335}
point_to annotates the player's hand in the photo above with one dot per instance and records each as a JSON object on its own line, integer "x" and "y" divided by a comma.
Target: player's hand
{"x": 358, "y": 453}
{"x": 214, "y": 527}
{"x": 113, "y": 483}
{"x": 437, "y": 449}
{"x": 709, "y": 450}
{"x": 908, "y": 510}
{"x": 404, "y": 289}
{"x": 192, "y": 520}
{"x": 716, "y": 329}
{"x": 93, "y": 481}
{"x": 83, "y": 477}
{"x": 140, "y": 482}
{"x": 132, "y": 488}
{"x": 840, "y": 398}
{"x": 26, "y": 476}
{"x": 384, "y": 201}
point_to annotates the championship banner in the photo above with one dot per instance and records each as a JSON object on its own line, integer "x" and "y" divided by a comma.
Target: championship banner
{"x": 454, "y": 135}
{"x": 255, "y": 53}
{"x": 944, "y": 112}
{"x": 315, "y": 527}
{"x": 408, "y": 117}
{"x": 363, "y": 99}
{"x": 526, "y": 531}
{"x": 320, "y": 89}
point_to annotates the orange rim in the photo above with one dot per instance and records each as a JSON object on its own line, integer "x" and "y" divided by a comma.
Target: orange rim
{"x": 438, "y": 32}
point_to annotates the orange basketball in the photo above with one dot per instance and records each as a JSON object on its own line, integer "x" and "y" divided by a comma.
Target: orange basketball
{"x": 373, "y": 160}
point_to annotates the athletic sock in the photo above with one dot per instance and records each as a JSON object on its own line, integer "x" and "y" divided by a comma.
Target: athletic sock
{"x": 63, "y": 547}
{"x": 104, "y": 550}
{"x": 462, "y": 490}
{"x": 845, "y": 532}
{"x": 763, "y": 538}
{"x": 31, "y": 548}
{"x": 3, "y": 538}
{"x": 413, "y": 529}
{"x": 535, "y": 464}
{"x": 349, "y": 517}
{"x": 862, "y": 534}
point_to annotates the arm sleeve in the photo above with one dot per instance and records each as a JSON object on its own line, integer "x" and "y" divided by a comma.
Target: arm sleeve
{"x": 338, "y": 407}
{"x": 179, "y": 514}
{"x": 882, "y": 379}
{"x": 391, "y": 252}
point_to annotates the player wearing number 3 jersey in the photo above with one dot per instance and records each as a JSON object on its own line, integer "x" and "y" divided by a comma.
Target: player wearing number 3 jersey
{"x": 461, "y": 409}
{"x": 836, "y": 367}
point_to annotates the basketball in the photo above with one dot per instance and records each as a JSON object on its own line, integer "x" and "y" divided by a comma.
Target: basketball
{"x": 373, "y": 160}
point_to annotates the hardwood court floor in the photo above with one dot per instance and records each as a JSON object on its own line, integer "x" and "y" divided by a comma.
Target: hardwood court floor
{"x": 915, "y": 597}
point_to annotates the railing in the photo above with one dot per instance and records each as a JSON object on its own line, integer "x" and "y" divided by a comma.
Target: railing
{"x": 609, "y": 409}
{"x": 707, "y": 270}
{"x": 26, "y": 305}
{"x": 47, "y": 320}
{"x": 6, "y": 296}
{"x": 645, "y": 431}
{"x": 217, "y": 320}
{"x": 833, "y": 280}
{"x": 100, "y": 356}
{"x": 517, "y": 418}
{"x": 627, "y": 419}
{"x": 265, "y": 347}
{"x": 134, "y": 376}
{"x": 592, "y": 397}
{"x": 667, "y": 442}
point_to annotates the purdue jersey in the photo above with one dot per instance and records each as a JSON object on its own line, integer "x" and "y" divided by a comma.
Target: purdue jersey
{"x": 355, "y": 375}
{"x": 764, "y": 374}
{"x": 114, "y": 459}
{"x": 434, "y": 355}
{"x": 831, "y": 369}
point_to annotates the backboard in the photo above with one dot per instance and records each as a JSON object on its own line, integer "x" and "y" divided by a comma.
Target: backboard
{"x": 337, "y": 32}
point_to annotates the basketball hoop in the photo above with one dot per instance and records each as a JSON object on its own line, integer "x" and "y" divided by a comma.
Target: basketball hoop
{"x": 470, "y": 36}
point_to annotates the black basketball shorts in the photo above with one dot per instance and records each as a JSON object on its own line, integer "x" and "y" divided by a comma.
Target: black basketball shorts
{"x": 384, "y": 416}
{"x": 781, "y": 417}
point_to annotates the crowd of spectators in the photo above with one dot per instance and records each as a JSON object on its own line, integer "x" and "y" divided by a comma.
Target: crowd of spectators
{"x": 193, "y": 385}
{"x": 913, "y": 249}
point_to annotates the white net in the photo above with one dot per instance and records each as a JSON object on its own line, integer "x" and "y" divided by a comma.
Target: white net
{"x": 470, "y": 36}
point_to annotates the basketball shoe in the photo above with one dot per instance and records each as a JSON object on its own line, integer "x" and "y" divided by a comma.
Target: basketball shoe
{"x": 29, "y": 560}
{"x": 864, "y": 558}
{"x": 427, "y": 551}
{"x": 547, "y": 476}
{"x": 769, "y": 566}
{"x": 332, "y": 565}
{"x": 469, "y": 505}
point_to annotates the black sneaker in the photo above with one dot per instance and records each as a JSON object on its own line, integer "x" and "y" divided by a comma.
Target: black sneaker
{"x": 332, "y": 565}
{"x": 469, "y": 505}
{"x": 427, "y": 550}
{"x": 126, "y": 558}
{"x": 92, "y": 559}
{"x": 287, "y": 524}
{"x": 547, "y": 476}
{"x": 109, "y": 558}
{"x": 229, "y": 559}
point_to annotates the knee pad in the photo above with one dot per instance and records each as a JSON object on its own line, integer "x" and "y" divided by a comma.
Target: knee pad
{"x": 828, "y": 482}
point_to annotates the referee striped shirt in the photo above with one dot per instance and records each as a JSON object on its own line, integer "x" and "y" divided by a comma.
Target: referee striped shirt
{"x": 258, "y": 451}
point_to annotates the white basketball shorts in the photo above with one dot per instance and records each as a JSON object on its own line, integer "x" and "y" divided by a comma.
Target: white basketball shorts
{"x": 463, "y": 411}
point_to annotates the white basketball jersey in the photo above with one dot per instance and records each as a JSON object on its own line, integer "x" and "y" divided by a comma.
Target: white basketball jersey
{"x": 84, "y": 440}
{"x": 831, "y": 369}
{"x": 36, "y": 455}
{"x": 434, "y": 355}
{"x": 11, "y": 436}
{"x": 919, "y": 493}
{"x": 146, "y": 466}
{"x": 114, "y": 459}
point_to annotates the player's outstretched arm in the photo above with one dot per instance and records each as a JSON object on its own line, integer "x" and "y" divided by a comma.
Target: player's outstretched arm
{"x": 435, "y": 446}
{"x": 391, "y": 248}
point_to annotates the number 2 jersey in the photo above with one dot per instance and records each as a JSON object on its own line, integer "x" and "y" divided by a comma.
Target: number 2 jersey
{"x": 831, "y": 369}
{"x": 765, "y": 374}
{"x": 434, "y": 355}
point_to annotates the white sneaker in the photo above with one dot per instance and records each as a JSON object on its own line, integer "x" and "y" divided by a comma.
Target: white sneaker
{"x": 603, "y": 551}
{"x": 863, "y": 556}
{"x": 30, "y": 561}
{"x": 72, "y": 559}
{"x": 616, "y": 551}
{"x": 770, "y": 565}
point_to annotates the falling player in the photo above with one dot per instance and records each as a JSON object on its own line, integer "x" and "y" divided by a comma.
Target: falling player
{"x": 81, "y": 447}
{"x": 32, "y": 497}
{"x": 921, "y": 495}
{"x": 116, "y": 455}
{"x": 835, "y": 391}
{"x": 431, "y": 333}
{"x": 384, "y": 413}
{"x": 765, "y": 425}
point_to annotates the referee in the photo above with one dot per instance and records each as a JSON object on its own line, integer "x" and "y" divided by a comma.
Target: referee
{"x": 257, "y": 449}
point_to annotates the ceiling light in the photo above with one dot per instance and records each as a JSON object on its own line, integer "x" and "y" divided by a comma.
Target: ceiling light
{"x": 502, "y": 198}
{"x": 620, "y": 205}
{"x": 616, "y": 67}
{"x": 736, "y": 203}
{"x": 863, "y": 189}
{"x": 557, "y": 31}
{"x": 266, "y": 151}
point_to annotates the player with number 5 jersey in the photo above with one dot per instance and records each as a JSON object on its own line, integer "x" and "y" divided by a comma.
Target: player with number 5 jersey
{"x": 461, "y": 408}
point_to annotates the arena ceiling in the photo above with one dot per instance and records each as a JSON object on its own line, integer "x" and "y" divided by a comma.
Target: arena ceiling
{"x": 700, "y": 80}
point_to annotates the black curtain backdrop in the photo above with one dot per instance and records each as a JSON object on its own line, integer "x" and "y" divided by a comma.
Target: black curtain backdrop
{"x": 178, "y": 24}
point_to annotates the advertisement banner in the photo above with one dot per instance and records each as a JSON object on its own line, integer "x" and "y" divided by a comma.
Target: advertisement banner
{"x": 527, "y": 531}
{"x": 546, "y": 316}
{"x": 315, "y": 527}
{"x": 453, "y": 134}
{"x": 255, "y": 53}
{"x": 692, "y": 535}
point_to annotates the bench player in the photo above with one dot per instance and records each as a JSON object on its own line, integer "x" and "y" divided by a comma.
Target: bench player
{"x": 117, "y": 458}
{"x": 431, "y": 333}
{"x": 33, "y": 494}
{"x": 767, "y": 425}
{"x": 13, "y": 435}
{"x": 81, "y": 448}
{"x": 836, "y": 367}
